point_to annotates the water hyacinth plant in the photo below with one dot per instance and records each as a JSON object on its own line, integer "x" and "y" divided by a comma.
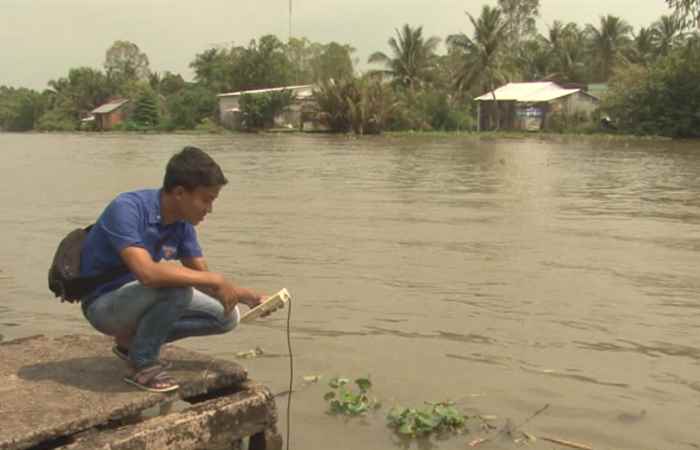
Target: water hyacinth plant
{"x": 345, "y": 400}
{"x": 435, "y": 418}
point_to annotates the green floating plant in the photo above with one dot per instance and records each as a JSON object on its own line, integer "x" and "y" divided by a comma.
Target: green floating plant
{"x": 343, "y": 399}
{"x": 435, "y": 418}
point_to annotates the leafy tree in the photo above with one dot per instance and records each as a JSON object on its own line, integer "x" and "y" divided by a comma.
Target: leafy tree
{"x": 413, "y": 57}
{"x": 258, "y": 111}
{"x": 124, "y": 61}
{"x": 663, "y": 99}
{"x": 301, "y": 52}
{"x": 167, "y": 83}
{"x": 334, "y": 62}
{"x": 687, "y": 10}
{"x": 213, "y": 68}
{"x": 20, "y": 109}
{"x": 80, "y": 92}
{"x": 609, "y": 42}
{"x": 189, "y": 106}
{"x": 263, "y": 64}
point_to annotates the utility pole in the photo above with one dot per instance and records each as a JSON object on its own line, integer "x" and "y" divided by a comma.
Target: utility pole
{"x": 290, "y": 20}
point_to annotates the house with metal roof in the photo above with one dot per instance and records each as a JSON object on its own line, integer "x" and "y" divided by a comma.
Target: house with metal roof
{"x": 230, "y": 113}
{"x": 110, "y": 114}
{"x": 531, "y": 105}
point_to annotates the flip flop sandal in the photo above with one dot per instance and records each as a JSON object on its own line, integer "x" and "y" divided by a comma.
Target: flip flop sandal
{"x": 124, "y": 356}
{"x": 152, "y": 379}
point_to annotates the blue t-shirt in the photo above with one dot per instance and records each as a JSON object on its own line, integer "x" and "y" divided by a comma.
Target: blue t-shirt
{"x": 133, "y": 219}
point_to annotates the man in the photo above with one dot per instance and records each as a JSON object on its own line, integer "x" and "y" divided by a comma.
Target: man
{"x": 154, "y": 303}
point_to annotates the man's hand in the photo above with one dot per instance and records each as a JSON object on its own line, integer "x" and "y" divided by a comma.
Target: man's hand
{"x": 224, "y": 290}
{"x": 249, "y": 297}
{"x": 230, "y": 295}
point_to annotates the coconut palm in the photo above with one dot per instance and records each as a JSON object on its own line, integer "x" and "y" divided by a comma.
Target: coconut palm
{"x": 567, "y": 44}
{"x": 608, "y": 44}
{"x": 535, "y": 59}
{"x": 667, "y": 33}
{"x": 643, "y": 48}
{"x": 412, "y": 60}
{"x": 485, "y": 63}
{"x": 484, "y": 60}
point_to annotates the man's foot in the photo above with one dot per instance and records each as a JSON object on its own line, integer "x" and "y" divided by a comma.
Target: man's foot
{"x": 123, "y": 354}
{"x": 152, "y": 379}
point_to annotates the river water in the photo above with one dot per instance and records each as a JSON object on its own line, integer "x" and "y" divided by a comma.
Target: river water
{"x": 504, "y": 275}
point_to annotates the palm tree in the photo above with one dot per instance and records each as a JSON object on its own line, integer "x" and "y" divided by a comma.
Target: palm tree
{"x": 484, "y": 60}
{"x": 667, "y": 33}
{"x": 483, "y": 65}
{"x": 535, "y": 59}
{"x": 642, "y": 49}
{"x": 413, "y": 57}
{"x": 568, "y": 51}
{"x": 608, "y": 44}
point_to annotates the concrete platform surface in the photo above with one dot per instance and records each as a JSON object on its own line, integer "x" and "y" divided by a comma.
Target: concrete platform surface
{"x": 51, "y": 387}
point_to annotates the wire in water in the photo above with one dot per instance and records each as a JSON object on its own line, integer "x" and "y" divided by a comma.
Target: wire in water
{"x": 291, "y": 370}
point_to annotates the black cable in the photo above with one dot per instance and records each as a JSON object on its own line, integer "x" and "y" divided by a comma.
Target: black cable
{"x": 291, "y": 369}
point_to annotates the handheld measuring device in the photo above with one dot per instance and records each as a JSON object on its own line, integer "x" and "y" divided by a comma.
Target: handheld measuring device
{"x": 272, "y": 303}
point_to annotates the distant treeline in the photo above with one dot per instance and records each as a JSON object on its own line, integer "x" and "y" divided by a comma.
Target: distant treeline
{"x": 652, "y": 74}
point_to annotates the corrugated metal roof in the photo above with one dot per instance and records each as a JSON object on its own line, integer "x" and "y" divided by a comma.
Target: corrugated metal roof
{"x": 537, "y": 91}
{"x": 261, "y": 91}
{"x": 109, "y": 107}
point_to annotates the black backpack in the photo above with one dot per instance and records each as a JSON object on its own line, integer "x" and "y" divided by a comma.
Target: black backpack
{"x": 64, "y": 274}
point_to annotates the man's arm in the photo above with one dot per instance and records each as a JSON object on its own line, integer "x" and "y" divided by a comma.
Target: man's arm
{"x": 243, "y": 295}
{"x": 153, "y": 274}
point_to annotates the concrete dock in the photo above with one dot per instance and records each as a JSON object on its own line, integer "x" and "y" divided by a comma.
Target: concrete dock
{"x": 68, "y": 393}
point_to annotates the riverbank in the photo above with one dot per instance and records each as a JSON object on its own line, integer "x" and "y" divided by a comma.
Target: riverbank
{"x": 476, "y": 135}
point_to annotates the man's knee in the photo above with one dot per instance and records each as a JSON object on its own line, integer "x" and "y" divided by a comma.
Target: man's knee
{"x": 230, "y": 322}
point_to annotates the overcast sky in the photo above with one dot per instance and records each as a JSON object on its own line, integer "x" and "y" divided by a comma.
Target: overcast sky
{"x": 42, "y": 39}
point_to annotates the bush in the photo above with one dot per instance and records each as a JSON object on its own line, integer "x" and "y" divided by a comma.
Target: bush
{"x": 430, "y": 110}
{"x": 131, "y": 125}
{"x": 210, "y": 126}
{"x": 363, "y": 105}
{"x": 577, "y": 122}
{"x": 56, "y": 120}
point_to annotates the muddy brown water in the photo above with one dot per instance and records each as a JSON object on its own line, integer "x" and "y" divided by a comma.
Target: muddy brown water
{"x": 504, "y": 275}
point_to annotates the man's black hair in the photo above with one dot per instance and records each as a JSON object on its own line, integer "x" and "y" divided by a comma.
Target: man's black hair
{"x": 191, "y": 168}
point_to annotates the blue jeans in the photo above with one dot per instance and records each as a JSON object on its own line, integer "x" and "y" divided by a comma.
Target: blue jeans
{"x": 154, "y": 316}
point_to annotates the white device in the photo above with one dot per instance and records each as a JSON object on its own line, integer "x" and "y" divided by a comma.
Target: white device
{"x": 272, "y": 303}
